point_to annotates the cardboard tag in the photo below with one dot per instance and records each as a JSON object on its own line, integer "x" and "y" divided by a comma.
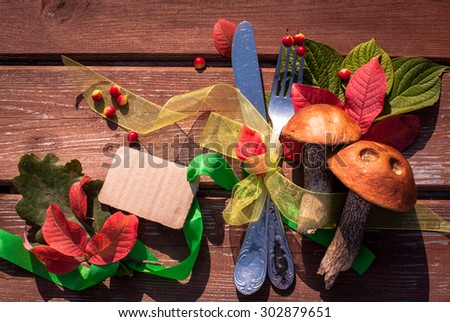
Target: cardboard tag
{"x": 149, "y": 187}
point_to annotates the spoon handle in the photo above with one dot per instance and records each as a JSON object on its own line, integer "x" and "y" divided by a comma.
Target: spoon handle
{"x": 280, "y": 263}
{"x": 251, "y": 265}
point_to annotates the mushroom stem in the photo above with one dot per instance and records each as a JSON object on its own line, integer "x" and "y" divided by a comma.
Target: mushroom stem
{"x": 345, "y": 245}
{"x": 317, "y": 178}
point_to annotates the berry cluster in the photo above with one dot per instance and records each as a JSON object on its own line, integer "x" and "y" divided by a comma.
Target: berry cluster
{"x": 298, "y": 40}
{"x": 114, "y": 91}
{"x": 110, "y": 111}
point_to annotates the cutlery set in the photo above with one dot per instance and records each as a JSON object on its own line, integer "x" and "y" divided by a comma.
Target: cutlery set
{"x": 265, "y": 250}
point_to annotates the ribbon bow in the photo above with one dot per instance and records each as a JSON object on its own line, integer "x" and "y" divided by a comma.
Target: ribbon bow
{"x": 223, "y": 134}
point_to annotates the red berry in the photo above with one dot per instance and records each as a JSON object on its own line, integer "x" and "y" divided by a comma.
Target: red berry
{"x": 301, "y": 51}
{"x": 115, "y": 90}
{"x": 132, "y": 137}
{"x": 199, "y": 63}
{"x": 287, "y": 40}
{"x": 97, "y": 95}
{"x": 109, "y": 111}
{"x": 344, "y": 74}
{"x": 122, "y": 99}
{"x": 299, "y": 39}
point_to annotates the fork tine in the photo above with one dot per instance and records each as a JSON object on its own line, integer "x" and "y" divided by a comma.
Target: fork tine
{"x": 300, "y": 72}
{"x": 291, "y": 79}
{"x": 286, "y": 68}
{"x": 276, "y": 77}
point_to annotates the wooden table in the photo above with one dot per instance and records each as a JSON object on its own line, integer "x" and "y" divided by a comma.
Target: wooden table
{"x": 149, "y": 46}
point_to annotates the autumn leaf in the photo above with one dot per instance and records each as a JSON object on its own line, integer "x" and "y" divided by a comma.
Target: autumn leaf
{"x": 78, "y": 198}
{"x": 250, "y": 144}
{"x": 305, "y": 95}
{"x": 97, "y": 211}
{"x": 364, "y": 97}
{"x": 64, "y": 236}
{"x": 398, "y": 131}
{"x": 114, "y": 241}
{"x": 292, "y": 149}
{"x": 223, "y": 37}
{"x": 44, "y": 181}
{"x": 55, "y": 261}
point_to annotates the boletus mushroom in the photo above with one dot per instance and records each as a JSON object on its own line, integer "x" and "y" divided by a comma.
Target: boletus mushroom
{"x": 376, "y": 174}
{"x": 320, "y": 128}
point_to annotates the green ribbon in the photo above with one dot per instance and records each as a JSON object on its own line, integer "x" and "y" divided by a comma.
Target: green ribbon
{"x": 11, "y": 249}
{"x": 193, "y": 231}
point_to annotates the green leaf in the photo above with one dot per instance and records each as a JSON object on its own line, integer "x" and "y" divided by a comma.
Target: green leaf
{"x": 42, "y": 182}
{"x": 416, "y": 85}
{"x": 322, "y": 64}
{"x": 365, "y": 52}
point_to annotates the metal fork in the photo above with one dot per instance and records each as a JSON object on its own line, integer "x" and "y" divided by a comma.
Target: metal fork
{"x": 280, "y": 110}
{"x": 265, "y": 248}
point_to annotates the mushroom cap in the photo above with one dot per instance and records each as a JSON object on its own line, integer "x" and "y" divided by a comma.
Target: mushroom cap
{"x": 377, "y": 173}
{"x": 322, "y": 124}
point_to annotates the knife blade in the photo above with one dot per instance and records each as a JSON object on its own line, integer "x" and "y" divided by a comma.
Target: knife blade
{"x": 247, "y": 74}
{"x": 251, "y": 265}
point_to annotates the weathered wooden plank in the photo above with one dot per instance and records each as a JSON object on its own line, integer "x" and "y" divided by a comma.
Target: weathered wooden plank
{"x": 410, "y": 266}
{"x": 38, "y": 114}
{"x": 179, "y": 30}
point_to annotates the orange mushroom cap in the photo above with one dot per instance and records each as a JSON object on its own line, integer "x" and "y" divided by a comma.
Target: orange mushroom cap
{"x": 322, "y": 124}
{"x": 377, "y": 173}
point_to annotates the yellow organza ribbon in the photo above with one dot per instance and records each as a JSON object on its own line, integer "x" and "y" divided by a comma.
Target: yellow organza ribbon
{"x": 221, "y": 133}
{"x": 139, "y": 115}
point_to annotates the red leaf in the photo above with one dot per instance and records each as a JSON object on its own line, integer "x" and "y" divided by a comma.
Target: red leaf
{"x": 223, "y": 37}
{"x": 114, "y": 241}
{"x": 292, "y": 149}
{"x": 65, "y": 236}
{"x": 398, "y": 131}
{"x": 364, "y": 96}
{"x": 250, "y": 144}
{"x": 55, "y": 262}
{"x": 305, "y": 95}
{"x": 78, "y": 198}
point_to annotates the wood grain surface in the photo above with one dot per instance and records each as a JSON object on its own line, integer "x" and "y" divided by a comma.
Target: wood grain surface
{"x": 178, "y": 30}
{"x": 148, "y": 47}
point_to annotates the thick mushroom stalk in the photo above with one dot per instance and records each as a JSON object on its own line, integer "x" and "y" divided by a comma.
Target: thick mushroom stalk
{"x": 345, "y": 245}
{"x": 317, "y": 177}
{"x": 375, "y": 174}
